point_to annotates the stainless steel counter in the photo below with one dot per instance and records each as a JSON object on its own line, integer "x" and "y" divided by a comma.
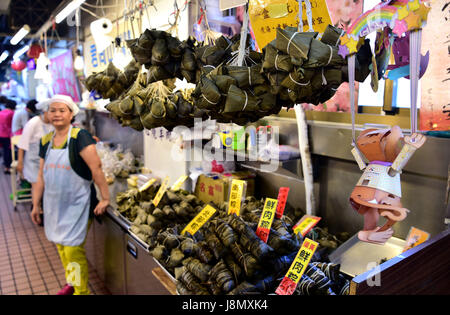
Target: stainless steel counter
{"x": 120, "y": 259}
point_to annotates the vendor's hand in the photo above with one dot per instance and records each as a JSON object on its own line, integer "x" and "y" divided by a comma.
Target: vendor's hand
{"x": 36, "y": 215}
{"x": 416, "y": 140}
{"x": 101, "y": 207}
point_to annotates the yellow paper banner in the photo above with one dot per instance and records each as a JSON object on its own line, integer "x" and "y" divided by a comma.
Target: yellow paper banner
{"x": 266, "y": 16}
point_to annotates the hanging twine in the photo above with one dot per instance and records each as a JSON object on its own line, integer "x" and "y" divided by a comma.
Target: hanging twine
{"x": 308, "y": 15}
{"x": 158, "y": 90}
{"x": 244, "y": 33}
{"x": 173, "y": 29}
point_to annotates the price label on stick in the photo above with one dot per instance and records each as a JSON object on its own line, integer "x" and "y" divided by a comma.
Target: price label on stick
{"x": 282, "y": 198}
{"x": 306, "y": 223}
{"x": 177, "y": 185}
{"x": 147, "y": 185}
{"x": 298, "y": 267}
{"x": 161, "y": 191}
{"x": 266, "y": 219}
{"x": 414, "y": 238}
{"x": 237, "y": 189}
{"x": 200, "y": 219}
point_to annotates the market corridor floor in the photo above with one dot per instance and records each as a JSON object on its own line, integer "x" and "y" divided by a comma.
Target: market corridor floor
{"x": 29, "y": 263}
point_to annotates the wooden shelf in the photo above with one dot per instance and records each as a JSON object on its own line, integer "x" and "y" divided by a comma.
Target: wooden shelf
{"x": 165, "y": 280}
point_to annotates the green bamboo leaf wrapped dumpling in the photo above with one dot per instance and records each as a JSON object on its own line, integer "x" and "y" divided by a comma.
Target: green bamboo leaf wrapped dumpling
{"x": 240, "y": 100}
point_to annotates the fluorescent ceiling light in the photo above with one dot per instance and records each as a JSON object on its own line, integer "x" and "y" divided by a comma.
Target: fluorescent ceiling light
{"x": 72, "y": 6}
{"x": 20, "y": 34}
{"x": 4, "y": 55}
{"x": 20, "y": 52}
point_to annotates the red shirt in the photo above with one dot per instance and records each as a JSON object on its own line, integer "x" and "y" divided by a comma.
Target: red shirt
{"x": 6, "y": 117}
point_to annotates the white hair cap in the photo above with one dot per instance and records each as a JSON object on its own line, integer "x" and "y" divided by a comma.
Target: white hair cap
{"x": 43, "y": 105}
{"x": 65, "y": 99}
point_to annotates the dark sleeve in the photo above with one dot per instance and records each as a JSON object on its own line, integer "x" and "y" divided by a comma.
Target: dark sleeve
{"x": 41, "y": 150}
{"x": 84, "y": 139}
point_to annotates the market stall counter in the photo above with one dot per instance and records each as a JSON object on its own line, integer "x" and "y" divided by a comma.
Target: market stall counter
{"x": 119, "y": 257}
{"x": 124, "y": 259}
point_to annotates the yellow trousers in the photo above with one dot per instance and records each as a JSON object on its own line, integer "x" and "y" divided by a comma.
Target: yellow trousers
{"x": 75, "y": 264}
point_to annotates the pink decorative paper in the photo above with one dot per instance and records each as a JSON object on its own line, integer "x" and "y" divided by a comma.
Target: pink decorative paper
{"x": 342, "y": 13}
{"x": 63, "y": 76}
{"x": 435, "y": 83}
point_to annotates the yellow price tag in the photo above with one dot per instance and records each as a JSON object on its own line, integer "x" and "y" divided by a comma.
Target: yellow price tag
{"x": 179, "y": 182}
{"x": 147, "y": 184}
{"x": 161, "y": 191}
{"x": 298, "y": 267}
{"x": 306, "y": 223}
{"x": 266, "y": 219}
{"x": 415, "y": 237}
{"x": 237, "y": 189}
{"x": 199, "y": 220}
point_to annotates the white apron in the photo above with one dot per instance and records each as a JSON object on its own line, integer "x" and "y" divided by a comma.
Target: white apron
{"x": 31, "y": 159}
{"x": 376, "y": 176}
{"x": 31, "y": 163}
{"x": 66, "y": 199}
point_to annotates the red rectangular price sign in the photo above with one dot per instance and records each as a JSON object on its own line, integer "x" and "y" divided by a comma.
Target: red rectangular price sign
{"x": 282, "y": 198}
{"x": 267, "y": 216}
{"x": 298, "y": 267}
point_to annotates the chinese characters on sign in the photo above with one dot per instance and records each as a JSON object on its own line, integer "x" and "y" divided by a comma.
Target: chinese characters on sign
{"x": 267, "y": 216}
{"x": 298, "y": 267}
{"x": 306, "y": 223}
{"x": 177, "y": 185}
{"x": 266, "y": 16}
{"x": 199, "y": 220}
{"x": 282, "y": 198}
{"x": 161, "y": 191}
{"x": 237, "y": 189}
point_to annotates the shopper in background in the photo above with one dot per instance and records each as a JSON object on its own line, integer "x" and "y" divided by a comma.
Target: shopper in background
{"x": 3, "y": 100}
{"x": 6, "y": 117}
{"x": 28, "y": 155}
{"x": 22, "y": 115}
{"x": 68, "y": 164}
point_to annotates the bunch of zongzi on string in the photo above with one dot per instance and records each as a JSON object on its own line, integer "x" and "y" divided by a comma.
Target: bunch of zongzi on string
{"x": 238, "y": 94}
{"x": 112, "y": 82}
{"x": 164, "y": 56}
{"x": 296, "y": 67}
{"x": 304, "y": 69}
{"x": 154, "y": 105}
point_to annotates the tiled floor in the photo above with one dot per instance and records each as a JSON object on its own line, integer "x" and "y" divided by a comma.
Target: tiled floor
{"x": 29, "y": 263}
